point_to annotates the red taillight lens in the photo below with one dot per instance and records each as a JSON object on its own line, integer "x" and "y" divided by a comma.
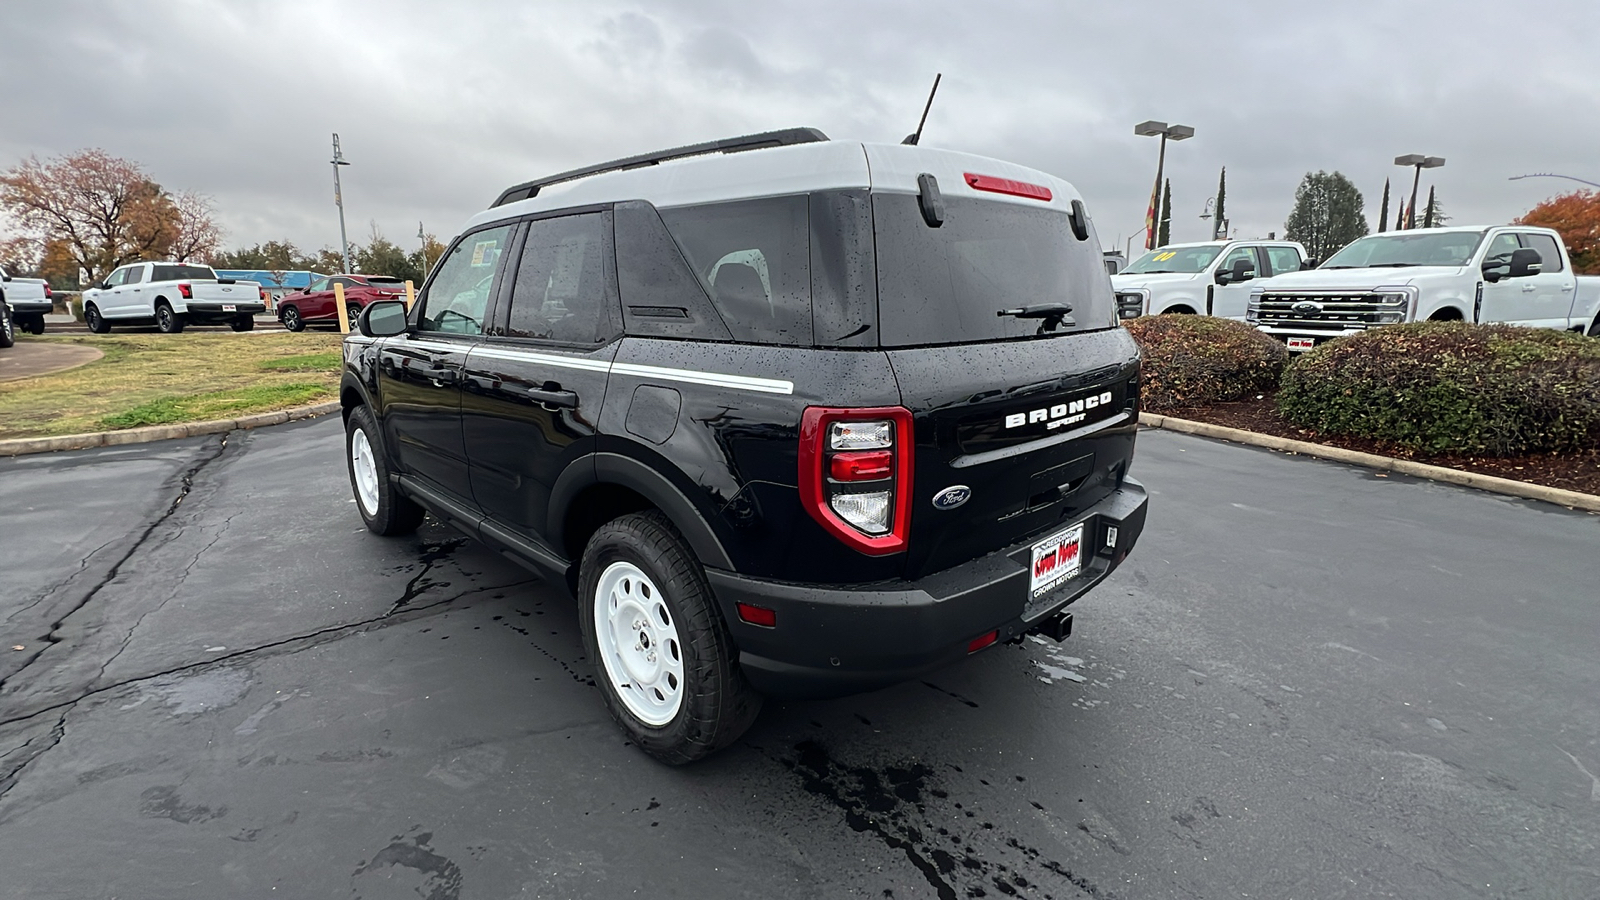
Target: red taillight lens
{"x": 855, "y": 475}
{"x": 263, "y": 293}
{"x": 49, "y": 294}
{"x": 862, "y": 465}
{"x": 185, "y": 292}
{"x": 758, "y": 615}
{"x": 982, "y": 641}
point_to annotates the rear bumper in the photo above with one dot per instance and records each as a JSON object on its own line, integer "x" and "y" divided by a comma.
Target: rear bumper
{"x": 204, "y": 311}
{"x": 29, "y": 307}
{"x": 833, "y": 640}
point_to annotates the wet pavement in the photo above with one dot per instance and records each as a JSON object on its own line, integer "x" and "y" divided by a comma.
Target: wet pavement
{"x": 1308, "y": 681}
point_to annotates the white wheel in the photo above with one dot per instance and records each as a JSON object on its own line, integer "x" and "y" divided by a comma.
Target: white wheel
{"x": 639, "y": 644}
{"x": 365, "y": 469}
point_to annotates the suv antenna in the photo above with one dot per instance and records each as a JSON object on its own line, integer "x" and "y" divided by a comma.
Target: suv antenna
{"x": 916, "y": 136}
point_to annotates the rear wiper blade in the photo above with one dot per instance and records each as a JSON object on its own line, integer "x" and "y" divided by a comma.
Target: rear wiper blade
{"x": 1052, "y": 315}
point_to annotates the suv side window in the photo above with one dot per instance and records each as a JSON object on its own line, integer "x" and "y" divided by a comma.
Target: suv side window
{"x": 562, "y": 290}
{"x": 133, "y": 275}
{"x": 1283, "y": 259}
{"x": 754, "y": 258}
{"x": 117, "y": 277}
{"x": 456, "y": 298}
{"x": 1549, "y": 253}
{"x": 321, "y": 284}
{"x": 661, "y": 297}
{"x": 1237, "y": 253}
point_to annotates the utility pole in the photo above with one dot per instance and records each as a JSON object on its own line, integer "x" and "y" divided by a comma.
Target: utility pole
{"x": 338, "y": 200}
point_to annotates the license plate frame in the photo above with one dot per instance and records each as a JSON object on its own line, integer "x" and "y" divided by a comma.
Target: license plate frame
{"x": 1055, "y": 560}
{"x": 230, "y": 307}
{"x": 1300, "y": 344}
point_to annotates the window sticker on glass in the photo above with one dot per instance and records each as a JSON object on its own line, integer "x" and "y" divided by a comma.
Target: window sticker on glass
{"x": 484, "y": 253}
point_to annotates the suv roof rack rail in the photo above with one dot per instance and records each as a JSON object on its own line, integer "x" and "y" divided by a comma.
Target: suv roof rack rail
{"x": 781, "y": 138}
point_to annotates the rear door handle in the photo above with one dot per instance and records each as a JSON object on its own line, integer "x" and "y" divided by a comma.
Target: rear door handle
{"x": 553, "y": 397}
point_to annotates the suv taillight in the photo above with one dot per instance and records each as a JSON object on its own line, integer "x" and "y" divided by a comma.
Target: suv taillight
{"x": 49, "y": 294}
{"x": 185, "y": 292}
{"x": 855, "y": 475}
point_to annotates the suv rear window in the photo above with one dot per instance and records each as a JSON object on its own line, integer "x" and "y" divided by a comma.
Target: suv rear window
{"x": 184, "y": 273}
{"x": 944, "y": 285}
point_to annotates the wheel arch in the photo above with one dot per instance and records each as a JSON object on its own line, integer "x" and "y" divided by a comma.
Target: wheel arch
{"x": 1446, "y": 314}
{"x": 605, "y": 485}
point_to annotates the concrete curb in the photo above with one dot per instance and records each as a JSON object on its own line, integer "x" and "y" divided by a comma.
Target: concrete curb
{"x": 1570, "y": 499}
{"x": 21, "y": 446}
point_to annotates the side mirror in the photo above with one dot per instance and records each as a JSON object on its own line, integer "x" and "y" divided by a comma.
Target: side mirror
{"x": 385, "y": 318}
{"x": 1242, "y": 271}
{"x": 104, "y": 286}
{"x": 1311, "y": 263}
{"x": 1525, "y": 261}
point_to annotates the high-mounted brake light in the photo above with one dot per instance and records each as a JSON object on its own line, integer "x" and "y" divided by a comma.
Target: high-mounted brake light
{"x": 1007, "y": 186}
{"x": 855, "y": 475}
{"x": 186, "y": 292}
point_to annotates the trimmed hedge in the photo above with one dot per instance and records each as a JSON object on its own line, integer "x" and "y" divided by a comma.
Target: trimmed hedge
{"x": 1452, "y": 387}
{"x": 1194, "y": 361}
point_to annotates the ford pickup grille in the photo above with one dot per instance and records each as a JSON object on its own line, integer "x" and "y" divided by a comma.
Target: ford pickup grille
{"x": 1332, "y": 312}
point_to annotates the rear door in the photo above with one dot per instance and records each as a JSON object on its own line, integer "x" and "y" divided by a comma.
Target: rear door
{"x": 533, "y": 388}
{"x": 1035, "y": 423}
{"x": 420, "y": 371}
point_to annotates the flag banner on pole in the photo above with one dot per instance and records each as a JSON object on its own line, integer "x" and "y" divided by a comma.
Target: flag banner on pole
{"x": 1150, "y": 217}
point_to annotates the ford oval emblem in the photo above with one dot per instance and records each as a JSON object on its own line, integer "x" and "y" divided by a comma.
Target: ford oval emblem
{"x": 952, "y": 496}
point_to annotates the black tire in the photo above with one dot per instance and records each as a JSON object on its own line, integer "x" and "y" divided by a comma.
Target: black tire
{"x": 290, "y": 317}
{"x": 8, "y": 328}
{"x": 243, "y": 323}
{"x": 33, "y": 324}
{"x": 167, "y": 321}
{"x": 1594, "y": 328}
{"x": 97, "y": 323}
{"x": 395, "y": 513}
{"x": 718, "y": 704}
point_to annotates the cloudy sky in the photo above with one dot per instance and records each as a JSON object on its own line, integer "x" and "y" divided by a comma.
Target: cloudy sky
{"x": 441, "y": 105}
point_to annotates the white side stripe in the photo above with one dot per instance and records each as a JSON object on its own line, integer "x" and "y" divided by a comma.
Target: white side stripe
{"x": 663, "y": 373}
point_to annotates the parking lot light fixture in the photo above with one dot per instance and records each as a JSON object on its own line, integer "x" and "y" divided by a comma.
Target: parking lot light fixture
{"x": 1419, "y": 162}
{"x": 1554, "y": 175}
{"x": 338, "y": 200}
{"x": 1177, "y": 133}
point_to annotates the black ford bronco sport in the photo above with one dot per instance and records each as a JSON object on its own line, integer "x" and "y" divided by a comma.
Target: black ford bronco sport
{"x": 788, "y": 415}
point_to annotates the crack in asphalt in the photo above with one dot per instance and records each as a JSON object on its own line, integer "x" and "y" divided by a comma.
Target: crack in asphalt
{"x": 44, "y": 594}
{"x": 9, "y": 779}
{"x": 186, "y": 484}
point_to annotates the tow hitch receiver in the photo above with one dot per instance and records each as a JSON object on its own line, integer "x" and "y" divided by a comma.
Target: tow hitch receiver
{"x": 1058, "y": 627}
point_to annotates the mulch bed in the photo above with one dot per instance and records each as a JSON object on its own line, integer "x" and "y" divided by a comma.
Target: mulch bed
{"x": 1573, "y": 472}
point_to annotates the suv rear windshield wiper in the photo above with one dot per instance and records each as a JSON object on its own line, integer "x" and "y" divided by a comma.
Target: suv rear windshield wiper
{"x": 1052, "y": 315}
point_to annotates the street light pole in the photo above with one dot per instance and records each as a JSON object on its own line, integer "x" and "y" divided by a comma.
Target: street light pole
{"x": 1177, "y": 133}
{"x": 338, "y": 200}
{"x": 1553, "y": 175}
{"x": 1420, "y": 162}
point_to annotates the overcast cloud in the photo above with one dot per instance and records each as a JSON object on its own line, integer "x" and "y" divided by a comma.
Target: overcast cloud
{"x": 442, "y": 105}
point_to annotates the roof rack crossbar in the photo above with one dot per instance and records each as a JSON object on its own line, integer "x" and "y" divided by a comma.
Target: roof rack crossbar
{"x": 780, "y": 138}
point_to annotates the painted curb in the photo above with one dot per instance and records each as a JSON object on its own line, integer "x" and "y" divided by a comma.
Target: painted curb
{"x": 1491, "y": 483}
{"x": 21, "y": 446}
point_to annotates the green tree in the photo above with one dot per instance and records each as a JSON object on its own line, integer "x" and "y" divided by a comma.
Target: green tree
{"x": 1164, "y": 231}
{"x": 1433, "y": 214}
{"x": 1328, "y": 213}
{"x": 1219, "y": 228}
{"x": 1383, "y": 211}
{"x": 382, "y": 256}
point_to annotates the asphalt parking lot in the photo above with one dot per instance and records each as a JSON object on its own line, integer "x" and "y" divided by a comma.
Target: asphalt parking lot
{"x": 1308, "y": 681}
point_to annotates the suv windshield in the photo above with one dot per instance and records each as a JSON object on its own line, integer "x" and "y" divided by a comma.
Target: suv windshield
{"x": 1451, "y": 248}
{"x": 1187, "y": 260}
{"x": 945, "y": 285}
{"x": 184, "y": 273}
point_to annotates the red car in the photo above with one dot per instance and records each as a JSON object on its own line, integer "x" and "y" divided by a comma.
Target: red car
{"x": 314, "y": 304}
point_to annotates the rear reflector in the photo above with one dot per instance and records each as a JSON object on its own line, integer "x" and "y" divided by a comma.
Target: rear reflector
{"x": 982, "y": 641}
{"x": 758, "y": 615}
{"x": 1007, "y": 186}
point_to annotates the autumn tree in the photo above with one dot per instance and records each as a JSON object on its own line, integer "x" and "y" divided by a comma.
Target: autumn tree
{"x": 198, "y": 236}
{"x": 106, "y": 211}
{"x": 1577, "y": 217}
{"x": 1328, "y": 213}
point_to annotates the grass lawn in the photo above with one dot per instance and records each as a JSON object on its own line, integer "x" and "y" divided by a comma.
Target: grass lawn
{"x": 161, "y": 379}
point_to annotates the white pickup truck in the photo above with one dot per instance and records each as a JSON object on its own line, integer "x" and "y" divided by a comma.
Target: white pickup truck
{"x": 1207, "y": 278}
{"x": 1515, "y": 274}
{"x": 28, "y": 298}
{"x": 171, "y": 296}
